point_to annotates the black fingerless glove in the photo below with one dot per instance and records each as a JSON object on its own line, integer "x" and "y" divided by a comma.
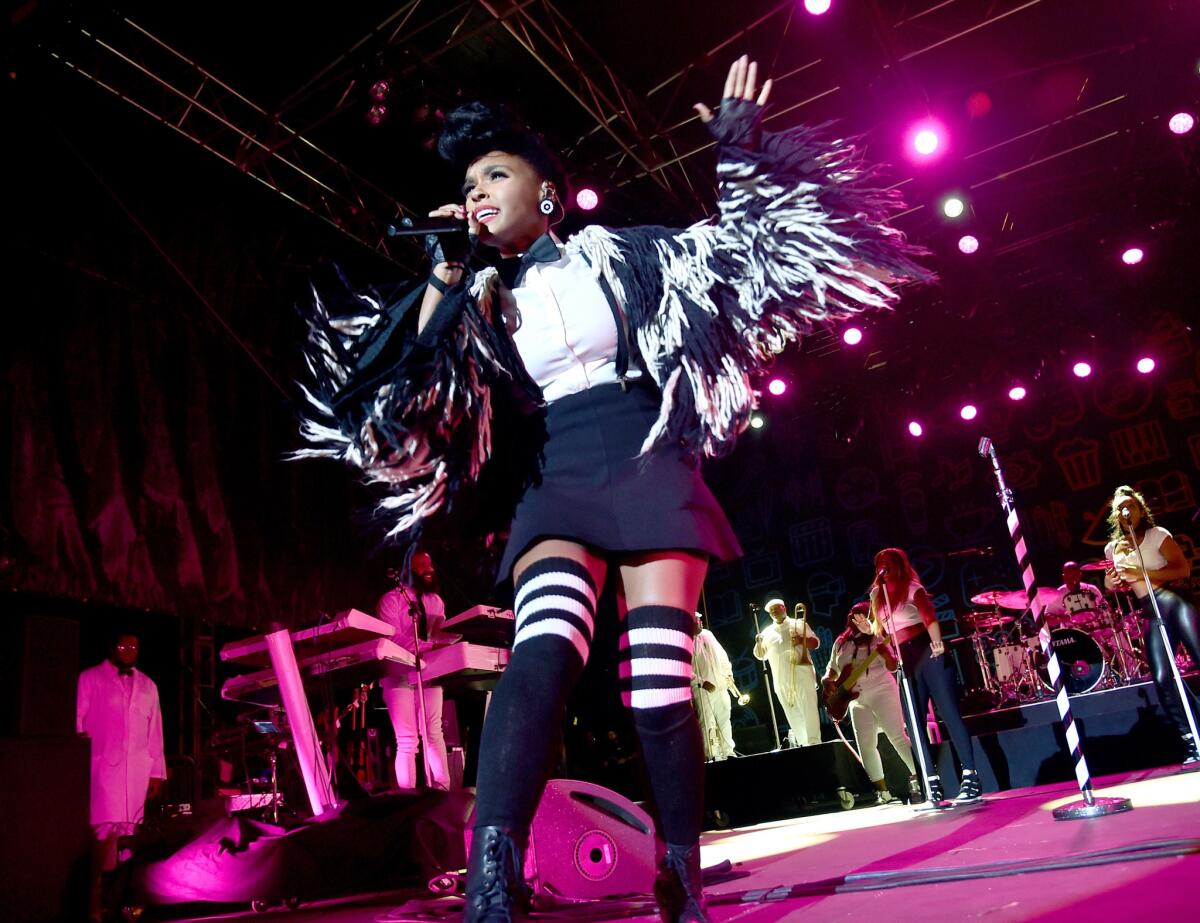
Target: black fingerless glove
{"x": 738, "y": 123}
{"x": 454, "y": 248}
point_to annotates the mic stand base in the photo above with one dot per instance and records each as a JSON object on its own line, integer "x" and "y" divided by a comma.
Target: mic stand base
{"x": 1099, "y": 807}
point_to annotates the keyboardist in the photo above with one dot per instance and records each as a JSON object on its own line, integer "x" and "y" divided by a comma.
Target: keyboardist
{"x": 418, "y": 608}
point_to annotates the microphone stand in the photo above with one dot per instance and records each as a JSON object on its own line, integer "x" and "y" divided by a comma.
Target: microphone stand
{"x": 767, "y": 683}
{"x": 918, "y": 727}
{"x": 422, "y": 718}
{"x": 1184, "y": 699}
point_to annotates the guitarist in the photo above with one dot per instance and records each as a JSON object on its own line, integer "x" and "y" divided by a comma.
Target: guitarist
{"x": 861, "y": 665}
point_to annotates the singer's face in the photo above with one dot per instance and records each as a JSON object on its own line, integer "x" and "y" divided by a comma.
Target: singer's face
{"x": 1135, "y": 510}
{"x": 502, "y": 192}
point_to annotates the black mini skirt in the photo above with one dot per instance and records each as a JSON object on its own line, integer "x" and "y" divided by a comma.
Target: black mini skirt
{"x": 595, "y": 490}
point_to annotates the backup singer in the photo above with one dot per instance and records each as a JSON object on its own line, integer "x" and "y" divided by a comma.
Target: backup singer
{"x": 712, "y": 685}
{"x": 634, "y": 348}
{"x": 877, "y": 709}
{"x": 913, "y": 623}
{"x": 787, "y": 645}
{"x": 399, "y": 608}
{"x": 1165, "y": 562}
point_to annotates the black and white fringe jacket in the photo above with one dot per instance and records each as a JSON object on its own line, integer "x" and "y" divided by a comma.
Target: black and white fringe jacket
{"x": 801, "y": 239}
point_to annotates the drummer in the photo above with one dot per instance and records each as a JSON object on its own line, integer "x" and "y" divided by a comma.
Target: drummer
{"x": 1078, "y": 602}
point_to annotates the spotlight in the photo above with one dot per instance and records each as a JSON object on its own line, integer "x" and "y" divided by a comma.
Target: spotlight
{"x": 777, "y": 386}
{"x": 915, "y": 429}
{"x": 969, "y": 412}
{"x": 818, "y": 7}
{"x": 1017, "y": 393}
{"x": 756, "y": 422}
{"x": 377, "y": 113}
{"x": 953, "y": 206}
{"x": 1082, "y": 369}
{"x": 587, "y": 199}
{"x": 1181, "y": 123}
{"x": 852, "y": 336}
{"x": 1132, "y": 256}
{"x": 379, "y": 90}
{"x": 968, "y": 244}
{"x": 925, "y": 140}
{"x": 1145, "y": 365}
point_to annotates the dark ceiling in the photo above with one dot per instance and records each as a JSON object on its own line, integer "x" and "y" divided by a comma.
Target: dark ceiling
{"x": 1056, "y": 112}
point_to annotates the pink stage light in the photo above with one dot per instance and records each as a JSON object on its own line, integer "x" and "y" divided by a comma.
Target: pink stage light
{"x": 1017, "y": 393}
{"x": 1133, "y": 256}
{"x": 925, "y": 140}
{"x": 953, "y": 207}
{"x": 818, "y": 7}
{"x": 377, "y": 113}
{"x": 1145, "y": 365}
{"x": 969, "y": 412}
{"x": 379, "y": 90}
{"x": 968, "y": 244}
{"x": 1181, "y": 123}
{"x": 915, "y": 428}
{"x": 852, "y": 336}
{"x": 587, "y": 199}
{"x": 1082, "y": 369}
{"x": 777, "y": 386}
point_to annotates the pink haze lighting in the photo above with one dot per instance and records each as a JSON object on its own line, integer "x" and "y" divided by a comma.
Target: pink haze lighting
{"x": 852, "y": 336}
{"x": 969, "y": 412}
{"x": 777, "y": 386}
{"x": 1145, "y": 365}
{"x": 915, "y": 429}
{"x": 587, "y": 199}
{"x": 1082, "y": 369}
{"x": 925, "y": 140}
{"x": 968, "y": 243}
{"x": 1016, "y": 393}
{"x": 1133, "y": 256}
{"x": 818, "y": 7}
{"x": 1181, "y": 123}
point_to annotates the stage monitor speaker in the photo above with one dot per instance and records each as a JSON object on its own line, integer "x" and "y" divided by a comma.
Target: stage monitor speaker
{"x": 39, "y": 669}
{"x": 588, "y": 842}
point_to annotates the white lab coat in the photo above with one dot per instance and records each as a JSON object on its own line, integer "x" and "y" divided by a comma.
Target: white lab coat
{"x": 122, "y": 716}
{"x": 711, "y": 664}
{"x": 795, "y": 679}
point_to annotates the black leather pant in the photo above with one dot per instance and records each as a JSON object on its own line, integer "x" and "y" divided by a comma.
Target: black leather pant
{"x": 1183, "y": 625}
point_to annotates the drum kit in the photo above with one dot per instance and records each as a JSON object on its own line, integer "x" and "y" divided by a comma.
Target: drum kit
{"x": 1099, "y": 645}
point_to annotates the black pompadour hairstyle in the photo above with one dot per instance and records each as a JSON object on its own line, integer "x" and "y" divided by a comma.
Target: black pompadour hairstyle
{"x": 477, "y": 128}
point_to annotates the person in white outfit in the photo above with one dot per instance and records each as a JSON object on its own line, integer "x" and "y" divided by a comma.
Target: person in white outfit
{"x": 712, "y": 685}
{"x": 787, "y": 645}
{"x": 117, "y": 707}
{"x": 877, "y": 708}
{"x": 417, "y": 613}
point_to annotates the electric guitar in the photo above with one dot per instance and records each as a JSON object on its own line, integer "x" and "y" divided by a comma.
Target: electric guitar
{"x": 838, "y": 694}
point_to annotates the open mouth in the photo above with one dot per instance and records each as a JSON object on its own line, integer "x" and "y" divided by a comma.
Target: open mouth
{"x": 486, "y": 214}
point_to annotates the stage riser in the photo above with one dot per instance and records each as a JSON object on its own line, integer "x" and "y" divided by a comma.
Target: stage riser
{"x": 1123, "y": 730}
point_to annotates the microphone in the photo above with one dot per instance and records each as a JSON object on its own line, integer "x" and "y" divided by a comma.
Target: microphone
{"x": 985, "y": 445}
{"x": 406, "y": 227}
{"x": 1125, "y": 513}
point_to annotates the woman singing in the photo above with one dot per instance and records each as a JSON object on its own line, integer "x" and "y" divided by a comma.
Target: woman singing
{"x": 1165, "y": 562}
{"x": 877, "y": 707}
{"x": 635, "y": 347}
{"x": 907, "y": 615}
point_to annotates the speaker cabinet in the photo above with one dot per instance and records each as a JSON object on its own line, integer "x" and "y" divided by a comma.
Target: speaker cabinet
{"x": 587, "y": 842}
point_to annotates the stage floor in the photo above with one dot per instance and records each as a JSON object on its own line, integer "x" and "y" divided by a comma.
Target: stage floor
{"x": 866, "y": 864}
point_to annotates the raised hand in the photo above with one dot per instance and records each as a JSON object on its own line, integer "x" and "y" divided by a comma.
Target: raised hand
{"x": 738, "y": 119}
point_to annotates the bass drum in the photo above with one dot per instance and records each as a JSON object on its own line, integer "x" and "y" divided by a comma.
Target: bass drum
{"x": 1079, "y": 657}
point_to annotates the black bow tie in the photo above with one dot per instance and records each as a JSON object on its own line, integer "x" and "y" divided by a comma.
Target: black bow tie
{"x": 512, "y": 269}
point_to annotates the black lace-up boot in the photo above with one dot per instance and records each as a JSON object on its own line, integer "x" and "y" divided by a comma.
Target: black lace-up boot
{"x": 496, "y": 891}
{"x": 679, "y": 886}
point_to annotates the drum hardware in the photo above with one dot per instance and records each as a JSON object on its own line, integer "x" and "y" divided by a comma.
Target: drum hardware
{"x": 1014, "y": 599}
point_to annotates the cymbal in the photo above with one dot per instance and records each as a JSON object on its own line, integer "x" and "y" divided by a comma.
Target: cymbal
{"x": 991, "y": 621}
{"x": 977, "y": 617}
{"x": 1095, "y": 565}
{"x": 1015, "y": 599}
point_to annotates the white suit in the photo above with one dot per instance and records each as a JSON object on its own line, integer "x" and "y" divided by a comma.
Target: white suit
{"x": 710, "y": 664}
{"x": 396, "y": 608}
{"x": 794, "y": 678}
{"x": 122, "y": 716}
{"x": 877, "y": 709}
